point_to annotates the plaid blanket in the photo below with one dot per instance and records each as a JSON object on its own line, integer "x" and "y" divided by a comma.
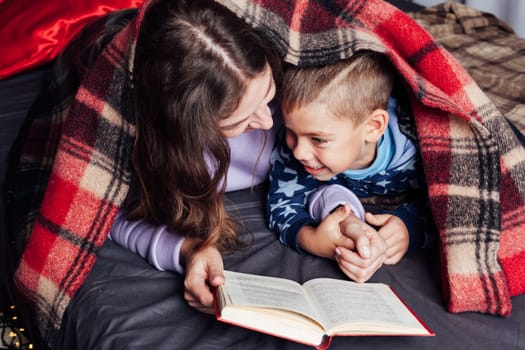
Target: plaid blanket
{"x": 473, "y": 157}
{"x": 73, "y": 170}
{"x": 493, "y": 55}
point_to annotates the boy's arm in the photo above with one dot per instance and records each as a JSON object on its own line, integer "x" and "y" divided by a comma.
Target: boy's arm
{"x": 328, "y": 197}
{"x": 287, "y": 196}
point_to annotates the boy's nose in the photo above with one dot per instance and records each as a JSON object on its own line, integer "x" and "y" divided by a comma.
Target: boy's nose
{"x": 300, "y": 151}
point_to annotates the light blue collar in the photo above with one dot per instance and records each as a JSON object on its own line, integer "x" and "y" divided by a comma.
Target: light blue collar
{"x": 384, "y": 154}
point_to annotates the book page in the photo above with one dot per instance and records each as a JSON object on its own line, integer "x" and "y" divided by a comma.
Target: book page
{"x": 263, "y": 291}
{"x": 349, "y": 302}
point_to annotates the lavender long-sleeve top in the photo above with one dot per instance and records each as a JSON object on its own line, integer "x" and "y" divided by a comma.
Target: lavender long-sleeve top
{"x": 160, "y": 246}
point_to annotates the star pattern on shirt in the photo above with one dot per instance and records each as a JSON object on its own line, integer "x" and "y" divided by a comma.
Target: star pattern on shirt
{"x": 289, "y": 189}
{"x": 383, "y": 183}
{"x": 283, "y": 226}
{"x": 290, "y": 171}
{"x": 280, "y": 203}
{"x": 288, "y": 211}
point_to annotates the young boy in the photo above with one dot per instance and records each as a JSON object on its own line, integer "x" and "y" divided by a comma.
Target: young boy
{"x": 343, "y": 138}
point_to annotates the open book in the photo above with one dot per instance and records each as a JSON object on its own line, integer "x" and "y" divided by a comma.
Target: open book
{"x": 316, "y": 311}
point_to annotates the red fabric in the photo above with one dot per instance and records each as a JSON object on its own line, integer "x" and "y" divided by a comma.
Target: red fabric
{"x": 34, "y": 32}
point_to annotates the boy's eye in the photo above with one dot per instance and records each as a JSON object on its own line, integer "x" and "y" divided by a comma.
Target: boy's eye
{"x": 319, "y": 140}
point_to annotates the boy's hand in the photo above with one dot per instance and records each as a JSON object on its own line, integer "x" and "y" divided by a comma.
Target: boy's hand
{"x": 395, "y": 233}
{"x": 325, "y": 238}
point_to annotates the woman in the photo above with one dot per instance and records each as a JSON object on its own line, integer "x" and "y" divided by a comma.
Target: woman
{"x": 213, "y": 113}
{"x": 203, "y": 84}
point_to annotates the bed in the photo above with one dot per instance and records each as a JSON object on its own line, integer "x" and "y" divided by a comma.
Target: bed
{"x": 126, "y": 304}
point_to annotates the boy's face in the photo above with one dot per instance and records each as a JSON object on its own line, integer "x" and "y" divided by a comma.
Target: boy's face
{"x": 326, "y": 144}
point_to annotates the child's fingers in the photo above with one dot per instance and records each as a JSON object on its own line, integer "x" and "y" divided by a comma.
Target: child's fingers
{"x": 347, "y": 243}
{"x": 340, "y": 214}
{"x": 376, "y": 219}
{"x": 350, "y": 257}
{"x": 358, "y": 269}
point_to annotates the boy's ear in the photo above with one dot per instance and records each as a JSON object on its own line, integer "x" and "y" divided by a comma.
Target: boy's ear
{"x": 376, "y": 125}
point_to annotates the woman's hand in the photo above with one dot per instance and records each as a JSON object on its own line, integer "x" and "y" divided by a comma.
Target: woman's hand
{"x": 358, "y": 266}
{"x": 204, "y": 271}
{"x": 394, "y": 232}
{"x": 357, "y": 247}
{"x": 369, "y": 253}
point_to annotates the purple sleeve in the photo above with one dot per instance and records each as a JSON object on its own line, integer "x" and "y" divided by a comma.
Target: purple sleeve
{"x": 326, "y": 198}
{"x": 160, "y": 247}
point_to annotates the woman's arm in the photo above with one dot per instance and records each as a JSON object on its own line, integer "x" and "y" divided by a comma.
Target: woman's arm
{"x": 169, "y": 251}
{"x": 155, "y": 243}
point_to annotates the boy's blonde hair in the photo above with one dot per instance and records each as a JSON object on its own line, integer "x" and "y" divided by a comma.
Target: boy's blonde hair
{"x": 352, "y": 88}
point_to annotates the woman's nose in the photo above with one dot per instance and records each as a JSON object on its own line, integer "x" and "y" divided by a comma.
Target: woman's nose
{"x": 263, "y": 118}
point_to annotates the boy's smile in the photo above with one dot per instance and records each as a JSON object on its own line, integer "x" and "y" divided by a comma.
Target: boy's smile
{"x": 313, "y": 170}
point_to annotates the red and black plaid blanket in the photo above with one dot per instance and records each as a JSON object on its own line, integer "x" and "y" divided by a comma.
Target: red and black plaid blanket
{"x": 473, "y": 159}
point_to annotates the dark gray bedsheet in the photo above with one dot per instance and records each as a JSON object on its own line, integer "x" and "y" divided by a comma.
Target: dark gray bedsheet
{"x": 127, "y": 304}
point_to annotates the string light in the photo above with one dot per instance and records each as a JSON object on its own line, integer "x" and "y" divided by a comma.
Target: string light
{"x": 12, "y": 337}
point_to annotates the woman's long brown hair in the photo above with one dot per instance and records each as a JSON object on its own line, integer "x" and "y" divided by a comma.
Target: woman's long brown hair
{"x": 192, "y": 63}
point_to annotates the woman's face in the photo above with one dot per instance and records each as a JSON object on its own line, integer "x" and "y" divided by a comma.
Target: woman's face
{"x": 253, "y": 111}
